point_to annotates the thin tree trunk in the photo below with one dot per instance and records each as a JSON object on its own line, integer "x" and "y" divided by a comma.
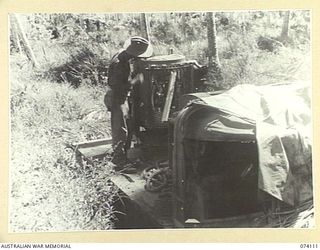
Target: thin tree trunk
{"x": 285, "y": 26}
{"x": 25, "y": 42}
{"x": 18, "y": 41}
{"x": 81, "y": 21}
{"x": 174, "y": 17}
{"x": 268, "y": 19}
{"x": 144, "y": 26}
{"x": 214, "y": 71}
{"x": 212, "y": 40}
{"x": 165, "y": 16}
{"x": 15, "y": 37}
{"x": 183, "y": 24}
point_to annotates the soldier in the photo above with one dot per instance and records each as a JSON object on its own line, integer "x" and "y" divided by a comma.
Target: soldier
{"x": 119, "y": 83}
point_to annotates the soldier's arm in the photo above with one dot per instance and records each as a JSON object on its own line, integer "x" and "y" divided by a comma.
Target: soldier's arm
{"x": 137, "y": 79}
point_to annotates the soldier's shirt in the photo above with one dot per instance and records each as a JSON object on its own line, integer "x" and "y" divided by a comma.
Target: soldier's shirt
{"x": 118, "y": 74}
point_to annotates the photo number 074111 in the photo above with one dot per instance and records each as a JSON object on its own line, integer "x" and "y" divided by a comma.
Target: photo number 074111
{"x": 160, "y": 120}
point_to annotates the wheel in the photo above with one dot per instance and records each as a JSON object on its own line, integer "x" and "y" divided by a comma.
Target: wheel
{"x": 156, "y": 181}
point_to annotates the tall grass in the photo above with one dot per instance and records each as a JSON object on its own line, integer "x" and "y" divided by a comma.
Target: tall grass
{"x": 49, "y": 189}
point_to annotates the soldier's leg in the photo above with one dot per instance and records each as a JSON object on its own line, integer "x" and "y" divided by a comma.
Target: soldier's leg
{"x": 120, "y": 137}
{"x": 119, "y": 133}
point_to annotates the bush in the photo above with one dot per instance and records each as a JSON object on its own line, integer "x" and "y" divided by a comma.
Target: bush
{"x": 47, "y": 182}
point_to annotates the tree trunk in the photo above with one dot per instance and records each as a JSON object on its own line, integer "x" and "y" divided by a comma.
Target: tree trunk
{"x": 268, "y": 19}
{"x": 15, "y": 38}
{"x": 214, "y": 71}
{"x": 212, "y": 40}
{"x": 183, "y": 24}
{"x": 25, "y": 42}
{"x": 285, "y": 26}
{"x": 144, "y": 26}
{"x": 165, "y": 17}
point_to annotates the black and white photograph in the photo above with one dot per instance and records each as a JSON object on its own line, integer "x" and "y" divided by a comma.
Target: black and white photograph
{"x": 160, "y": 120}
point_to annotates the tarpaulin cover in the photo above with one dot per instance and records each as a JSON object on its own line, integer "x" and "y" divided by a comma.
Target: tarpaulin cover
{"x": 278, "y": 117}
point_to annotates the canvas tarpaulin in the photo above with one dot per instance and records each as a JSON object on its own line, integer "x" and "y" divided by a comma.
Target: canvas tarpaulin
{"x": 278, "y": 117}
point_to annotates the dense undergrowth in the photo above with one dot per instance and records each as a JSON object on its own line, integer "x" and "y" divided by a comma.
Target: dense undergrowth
{"x": 50, "y": 190}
